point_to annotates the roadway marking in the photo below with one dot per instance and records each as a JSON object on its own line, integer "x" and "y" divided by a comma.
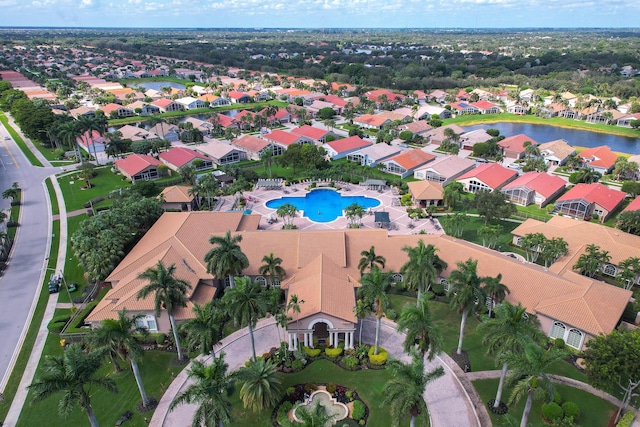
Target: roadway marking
{"x": 10, "y": 154}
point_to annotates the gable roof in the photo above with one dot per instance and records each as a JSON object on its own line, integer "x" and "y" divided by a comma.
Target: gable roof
{"x": 310, "y": 132}
{"x": 633, "y": 206}
{"x": 176, "y": 194}
{"x": 379, "y": 151}
{"x": 599, "y": 156}
{"x": 595, "y": 193}
{"x": 136, "y": 163}
{"x": 371, "y": 119}
{"x": 560, "y": 148}
{"x": 540, "y": 182}
{"x": 347, "y": 144}
{"x": 449, "y": 165}
{"x": 516, "y": 142}
{"x": 251, "y": 143}
{"x": 411, "y": 159}
{"x": 425, "y": 190}
{"x": 282, "y": 137}
{"x": 492, "y": 174}
{"x": 180, "y": 156}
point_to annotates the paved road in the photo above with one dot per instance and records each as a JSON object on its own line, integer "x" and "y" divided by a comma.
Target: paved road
{"x": 22, "y": 278}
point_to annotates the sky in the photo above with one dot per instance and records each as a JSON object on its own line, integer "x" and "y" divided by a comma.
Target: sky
{"x": 321, "y": 13}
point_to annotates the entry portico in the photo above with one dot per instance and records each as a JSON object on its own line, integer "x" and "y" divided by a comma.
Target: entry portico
{"x": 326, "y": 295}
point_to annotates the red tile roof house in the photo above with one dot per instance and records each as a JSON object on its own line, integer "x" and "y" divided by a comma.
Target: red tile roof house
{"x": 486, "y": 107}
{"x": 340, "y": 148}
{"x": 534, "y": 187}
{"x": 178, "y": 157}
{"x": 487, "y": 177}
{"x": 371, "y": 121}
{"x": 633, "y": 206}
{"x": 406, "y": 162}
{"x": 585, "y": 200}
{"x": 92, "y": 144}
{"x": 513, "y": 146}
{"x": 238, "y": 97}
{"x": 463, "y": 107}
{"x": 281, "y": 140}
{"x": 375, "y": 96}
{"x": 225, "y": 121}
{"x": 444, "y": 169}
{"x": 245, "y": 119}
{"x": 319, "y": 136}
{"x": 166, "y": 105}
{"x": 252, "y": 145}
{"x": 138, "y": 167}
{"x": 116, "y": 110}
{"x": 601, "y": 159}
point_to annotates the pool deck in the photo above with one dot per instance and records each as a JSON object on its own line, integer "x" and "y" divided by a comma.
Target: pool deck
{"x": 257, "y": 199}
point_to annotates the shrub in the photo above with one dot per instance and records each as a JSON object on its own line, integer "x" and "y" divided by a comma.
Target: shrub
{"x": 55, "y": 327}
{"x": 571, "y": 410}
{"x": 358, "y": 410}
{"x": 290, "y": 391}
{"x": 309, "y": 387}
{"x": 362, "y": 351}
{"x": 351, "y": 362}
{"x": 333, "y": 352}
{"x": 331, "y": 388}
{"x": 559, "y": 342}
{"x": 627, "y": 419}
{"x": 297, "y": 365}
{"x": 285, "y": 407}
{"x": 391, "y": 314}
{"x": 161, "y": 338}
{"x": 552, "y": 411}
{"x": 380, "y": 358}
{"x": 557, "y": 398}
{"x": 312, "y": 352}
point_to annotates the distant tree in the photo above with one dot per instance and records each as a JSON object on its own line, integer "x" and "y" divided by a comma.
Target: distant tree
{"x": 552, "y": 249}
{"x": 631, "y": 187}
{"x": 629, "y": 221}
{"x": 292, "y": 156}
{"x": 326, "y": 113}
{"x": 495, "y": 290}
{"x": 493, "y": 205}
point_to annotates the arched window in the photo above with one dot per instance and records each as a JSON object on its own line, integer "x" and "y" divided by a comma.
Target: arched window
{"x": 519, "y": 241}
{"x": 557, "y": 330}
{"x": 445, "y": 284}
{"x": 396, "y": 278}
{"x": 227, "y": 282}
{"x": 261, "y": 280}
{"x": 574, "y": 338}
{"x": 610, "y": 270}
{"x": 276, "y": 281}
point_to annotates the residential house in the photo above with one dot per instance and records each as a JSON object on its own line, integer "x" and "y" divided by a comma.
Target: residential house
{"x": 633, "y": 206}
{"x": 487, "y": 177}
{"x": 404, "y": 163}
{"x": 397, "y": 115}
{"x": 190, "y": 103}
{"x": 224, "y": 121}
{"x": 213, "y": 100}
{"x": 339, "y": 148}
{"x": 517, "y": 108}
{"x": 438, "y": 96}
{"x": 486, "y": 107}
{"x": 93, "y": 142}
{"x": 373, "y": 154}
{"x": 444, "y": 169}
{"x": 177, "y": 197}
{"x": 584, "y": 200}
{"x": 625, "y": 120}
{"x": 317, "y": 135}
{"x": 604, "y": 117}
{"x": 371, "y": 121}
{"x": 462, "y": 107}
{"x": 469, "y": 139}
{"x": 601, "y": 159}
{"x": 146, "y": 109}
{"x": 426, "y": 193}
{"x": 252, "y": 145}
{"x": 556, "y": 152}
{"x": 420, "y": 128}
{"x": 427, "y": 111}
{"x": 316, "y": 105}
{"x": 166, "y": 131}
{"x": 138, "y": 167}
{"x": 534, "y": 187}
{"x": 238, "y": 97}
{"x": 83, "y": 111}
{"x": 436, "y": 136}
{"x": 221, "y": 153}
{"x": 178, "y": 157}
{"x": 281, "y": 140}
{"x": 201, "y": 125}
{"x": 513, "y": 147}
{"x": 166, "y": 105}
{"x": 379, "y": 95}
{"x": 112, "y": 110}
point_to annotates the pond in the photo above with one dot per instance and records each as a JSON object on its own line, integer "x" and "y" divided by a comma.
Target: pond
{"x": 158, "y": 85}
{"x": 580, "y": 138}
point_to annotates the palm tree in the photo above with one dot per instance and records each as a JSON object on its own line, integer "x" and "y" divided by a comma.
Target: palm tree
{"x": 74, "y": 374}
{"x": 294, "y": 306}
{"x": 528, "y": 375}
{"x": 272, "y": 268}
{"x": 452, "y": 193}
{"x": 418, "y": 325}
{"x": 370, "y": 259}
{"x": 204, "y": 330}
{"x": 69, "y": 132}
{"x": 169, "y": 292}
{"x": 423, "y": 267}
{"x": 210, "y": 389}
{"x": 405, "y": 390}
{"x": 246, "y": 303}
{"x": 361, "y": 310}
{"x": 587, "y": 175}
{"x": 261, "y": 384}
{"x": 465, "y": 292}
{"x": 120, "y": 337}
{"x": 373, "y": 290}
{"x": 495, "y": 290}
{"x": 89, "y": 124}
{"x": 508, "y": 332}
{"x": 226, "y": 258}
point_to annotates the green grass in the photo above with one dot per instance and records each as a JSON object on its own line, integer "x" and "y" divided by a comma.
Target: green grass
{"x": 20, "y": 142}
{"x": 369, "y": 384}
{"x": 594, "y": 411}
{"x": 55, "y": 209}
{"x": 157, "y": 371}
{"x": 105, "y": 182}
{"x": 32, "y": 332}
{"x": 14, "y": 215}
{"x": 472, "y": 225}
{"x": 73, "y": 272}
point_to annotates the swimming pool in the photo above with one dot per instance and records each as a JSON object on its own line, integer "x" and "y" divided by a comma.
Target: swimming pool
{"x": 323, "y": 204}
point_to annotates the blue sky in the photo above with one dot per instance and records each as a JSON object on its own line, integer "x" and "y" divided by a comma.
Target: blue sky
{"x": 321, "y": 13}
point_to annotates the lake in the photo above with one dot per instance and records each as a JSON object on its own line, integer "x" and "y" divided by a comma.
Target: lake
{"x": 158, "y": 85}
{"x": 580, "y": 138}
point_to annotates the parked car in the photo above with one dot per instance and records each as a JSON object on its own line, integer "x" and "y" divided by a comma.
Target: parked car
{"x": 54, "y": 284}
{"x": 514, "y": 166}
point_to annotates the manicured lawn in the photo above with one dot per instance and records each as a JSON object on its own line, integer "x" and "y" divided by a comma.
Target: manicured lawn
{"x": 73, "y": 272}
{"x": 14, "y": 215}
{"x": 369, "y": 384}
{"x": 594, "y": 412}
{"x": 55, "y": 209}
{"x": 20, "y": 142}
{"x": 105, "y": 182}
{"x": 472, "y": 225}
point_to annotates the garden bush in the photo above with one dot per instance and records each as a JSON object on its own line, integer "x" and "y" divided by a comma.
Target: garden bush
{"x": 627, "y": 419}
{"x": 571, "y": 410}
{"x": 56, "y": 327}
{"x": 391, "y": 314}
{"x": 559, "y": 342}
{"x": 380, "y": 358}
{"x": 331, "y": 388}
{"x": 333, "y": 352}
{"x": 312, "y": 352}
{"x": 557, "y": 398}
{"x": 552, "y": 411}
{"x": 297, "y": 365}
{"x": 309, "y": 387}
{"x": 351, "y": 362}
{"x": 358, "y": 410}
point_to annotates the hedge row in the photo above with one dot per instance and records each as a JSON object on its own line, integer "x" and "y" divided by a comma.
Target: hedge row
{"x": 627, "y": 419}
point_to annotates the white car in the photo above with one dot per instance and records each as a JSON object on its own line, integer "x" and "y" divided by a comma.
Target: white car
{"x": 514, "y": 166}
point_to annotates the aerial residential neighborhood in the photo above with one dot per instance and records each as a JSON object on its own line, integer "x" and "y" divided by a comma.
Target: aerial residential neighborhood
{"x": 249, "y": 228}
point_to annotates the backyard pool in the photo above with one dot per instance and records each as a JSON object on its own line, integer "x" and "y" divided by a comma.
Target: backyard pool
{"x": 323, "y": 205}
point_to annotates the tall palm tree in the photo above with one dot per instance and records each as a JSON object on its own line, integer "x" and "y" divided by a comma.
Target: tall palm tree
{"x": 74, "y": 374}
{"x": 69, "y": 132}
{"x": 418, "y": 325}
{"x": 452, "y": 193}
{"x": 204, "y": 330}
{"x": 272, "y": 268}
{"x": 120, "y": 336}
{"x": 405, "y": 390}
{"x": 465, "y": 292}
{"x": 226, "y": 257}
{"x": 89, "y": 124}
{"x": 169, "y": 292}
{"x": 373, "y": 290}
{"x": 422, "y": 268}
{"x": 246, "y": 303}
{"x": 370, "y": 259}
{"x": 261, "y": 384}
{"x": 529, "y": 375}
{"x": 361, "y": 310}
{"x": 496, "y": 290}
{"x": 210, "y": 388}
{"x": 509, "y": 331}
{"x": 294, "y": 306}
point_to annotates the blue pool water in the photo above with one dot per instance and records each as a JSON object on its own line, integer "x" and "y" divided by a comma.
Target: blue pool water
{"x": 323, "y": 205}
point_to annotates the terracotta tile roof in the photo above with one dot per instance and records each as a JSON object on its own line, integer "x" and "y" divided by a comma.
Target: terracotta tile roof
{"x": 225, "y": 121}
{"x": 373, "y": 95}
{"x": 310, "y": 132}
{"x": 633, "y": 206}
{"x": 515, "y": 143}
{"x": 595, "y": 193}
{"x": 560, "y": 148}
{"x": 177, "y": 194}
{"x": 180, "y": 156}
{"x": 540, "y": 182}
{"x": 348, "y": 144}
{"x": 335, "y": 100}
{"x": 492, "y": 174}
{"x": 162, "y": 103}
{"x": 416, "y": 127}
{"x": 411, "y": 159}
{"x": 448, "y": 166}
{"x": 109, "y": 108}
{"x": 483, "y": 105}
{"x": 371, "y": 120}
{"x": 599, "y": 156}
{"x": 251, "y": 143}
{"x": 425, "y": 190}
{"x": 282, "y": 137}
{"x": 136, "y": 163}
